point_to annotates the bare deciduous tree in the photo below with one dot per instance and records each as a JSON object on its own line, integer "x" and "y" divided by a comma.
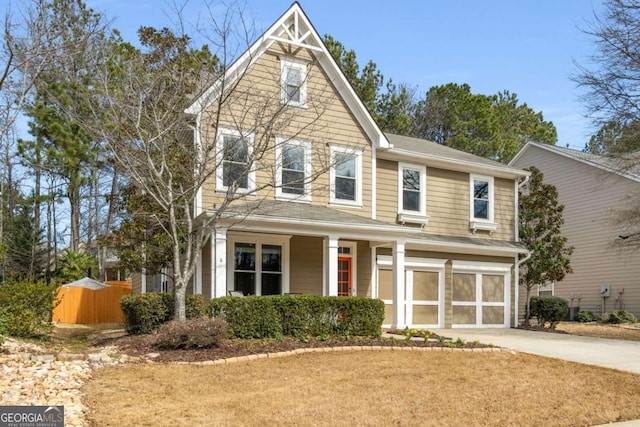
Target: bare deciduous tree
{"x": 163, "y": 110}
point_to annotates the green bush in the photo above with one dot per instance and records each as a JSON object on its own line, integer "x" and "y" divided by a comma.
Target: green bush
{"x": 201, "y": 332}
{"x": 27, "y": 308}
{"x": 549, "y": 309}
{"x": 299, "y": 315}
{"x": 144, "y": 312}
{"x": 585, "y": 316}
{"x": 618, "y": 316}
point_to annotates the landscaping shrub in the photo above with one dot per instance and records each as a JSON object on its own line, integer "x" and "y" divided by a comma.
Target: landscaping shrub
{"x": 201, "y": 332}
{"x": 27, "y": 308}
{"x": 549, "y": 309}
{"x": 248, "y": 317}
{"x": 299, "y": 315}
{"x": 144, "y": 312}
{"x": 585, "y": 316}
{"x": 618, "y": 316}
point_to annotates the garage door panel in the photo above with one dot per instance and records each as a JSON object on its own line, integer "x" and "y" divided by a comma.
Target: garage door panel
{"x": 463, "y": 315}
{"x": 425, "y": 315}
{"x": 464, "y": 287}
{"x": 425, "y": 286}
{"x": 492, "y": 315}
{"x": 492, "y": 288}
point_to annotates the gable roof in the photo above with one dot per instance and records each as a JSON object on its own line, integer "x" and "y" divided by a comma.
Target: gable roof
{"x": 295, "y": 28}
{"x": 628, "y": 166}
{"x": 440, "y": 155}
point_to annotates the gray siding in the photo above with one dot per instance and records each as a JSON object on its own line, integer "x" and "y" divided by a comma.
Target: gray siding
{"x": 591, "y": 196}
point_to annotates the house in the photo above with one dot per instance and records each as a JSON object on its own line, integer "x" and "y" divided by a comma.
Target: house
{"x": 592, "y": 188}
{"x": 334, "y": 206}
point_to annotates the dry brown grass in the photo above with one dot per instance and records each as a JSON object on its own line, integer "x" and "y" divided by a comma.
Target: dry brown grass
{"x": 366, "y": 388}
{"x": 621, "y": 332}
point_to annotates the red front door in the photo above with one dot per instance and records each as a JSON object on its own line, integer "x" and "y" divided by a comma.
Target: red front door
{"x": 344, "y": 276}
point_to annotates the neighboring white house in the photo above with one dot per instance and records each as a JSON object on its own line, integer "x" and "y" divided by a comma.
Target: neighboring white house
{"x": 592, "y": 188}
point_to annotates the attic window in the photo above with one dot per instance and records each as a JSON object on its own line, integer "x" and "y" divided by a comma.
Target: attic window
{"x": 293, "y": 81}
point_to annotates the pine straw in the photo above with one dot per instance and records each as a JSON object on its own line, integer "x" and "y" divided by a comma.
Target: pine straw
{"x": 365, "y": 388}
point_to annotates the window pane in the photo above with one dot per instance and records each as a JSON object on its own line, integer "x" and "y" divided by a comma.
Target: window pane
{"x": 411, "y": 180}
{"x": 345, "y": 188}
{"x": 245, "y": 256}
{"x": 293, "y": 157}
{"x": 292, "y": 182}
{"x": 271, "y": 258}
{"x": 235, "y": 173}
{"x": 245, "y": 282}
{"x": 345, "y": 165}
{"x": 235, "y": 149}
{"x": 411, "y": 201}
{"x": 480, "y": 209}
{"x": 293, "y": 81}
{"x": 271, "y": 284}
{"x": 481, "y": 190}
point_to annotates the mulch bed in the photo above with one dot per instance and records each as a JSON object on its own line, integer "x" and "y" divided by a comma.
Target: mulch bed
{"x": 142, "y": 345}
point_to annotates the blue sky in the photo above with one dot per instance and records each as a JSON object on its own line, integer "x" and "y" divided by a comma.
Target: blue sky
{"x": 526, "y": 46}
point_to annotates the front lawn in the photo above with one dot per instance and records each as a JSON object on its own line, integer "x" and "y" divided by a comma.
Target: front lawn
{"x": 365, "y": 388}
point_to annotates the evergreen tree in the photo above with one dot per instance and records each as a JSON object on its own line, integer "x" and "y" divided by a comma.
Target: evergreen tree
{"x": 541, "y": 219}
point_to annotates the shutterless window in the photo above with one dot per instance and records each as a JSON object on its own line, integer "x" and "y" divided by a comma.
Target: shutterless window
{"x": 235, "y": 161}
{"x": 411, "y": 190}
{"x": 345, "y": 177}
{"x": 293, "y": 168}
{"x": 481, "y": 199}
{"x": 293, "y": 84}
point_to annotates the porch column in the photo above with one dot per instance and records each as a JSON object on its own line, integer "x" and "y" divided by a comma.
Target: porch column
{"x": 398, "y": 285}
{"x": 331, "y": 265}
{"x": 219, "y": 263}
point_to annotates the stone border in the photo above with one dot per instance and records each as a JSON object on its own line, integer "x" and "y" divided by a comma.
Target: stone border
{"x": 251, "y": 357}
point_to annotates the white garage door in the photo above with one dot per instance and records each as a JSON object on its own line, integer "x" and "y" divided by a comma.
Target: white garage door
{"x": 480, "y": 295}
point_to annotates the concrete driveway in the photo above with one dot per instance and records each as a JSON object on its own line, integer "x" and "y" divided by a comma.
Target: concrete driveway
{"x": 615, "y": 354}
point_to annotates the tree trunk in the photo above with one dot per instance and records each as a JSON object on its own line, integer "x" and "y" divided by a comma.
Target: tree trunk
{"x": 180, "y": 289}
{"x": 527, "y": 310}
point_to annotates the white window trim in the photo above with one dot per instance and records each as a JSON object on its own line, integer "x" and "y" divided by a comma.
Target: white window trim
{"x": 408, "y": 216}
{"x": 547, "y": 287}
{"x": 286, "y": 63}
{"x": 357, "y": 153}
{"x": 251, "y": 179}
{"x": 280, "y": 143}
{"x": 476, "y": 224}
{"x": 259, "y": 240}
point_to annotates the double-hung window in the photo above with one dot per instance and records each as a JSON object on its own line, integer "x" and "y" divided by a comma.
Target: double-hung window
{"x": 233, "y": 157}
{"x": 293, "y": 80}
{"x": 412, "y": 197}
{"x": 293, "y": 160}
{"x": 481, "y": 203}
{"x": 346, "y": 176}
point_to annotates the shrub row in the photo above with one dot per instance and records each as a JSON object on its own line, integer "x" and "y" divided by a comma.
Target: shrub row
{"x": 549, "y": 309}
{"x": 144, "y": 312}
{"x": 26, "y": 308}
{"x": 618, "y": 316}
{"x": 299, "y": 315}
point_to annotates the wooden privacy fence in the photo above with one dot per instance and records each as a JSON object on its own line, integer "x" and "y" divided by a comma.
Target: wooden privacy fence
{"x": 84, "y": 305}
